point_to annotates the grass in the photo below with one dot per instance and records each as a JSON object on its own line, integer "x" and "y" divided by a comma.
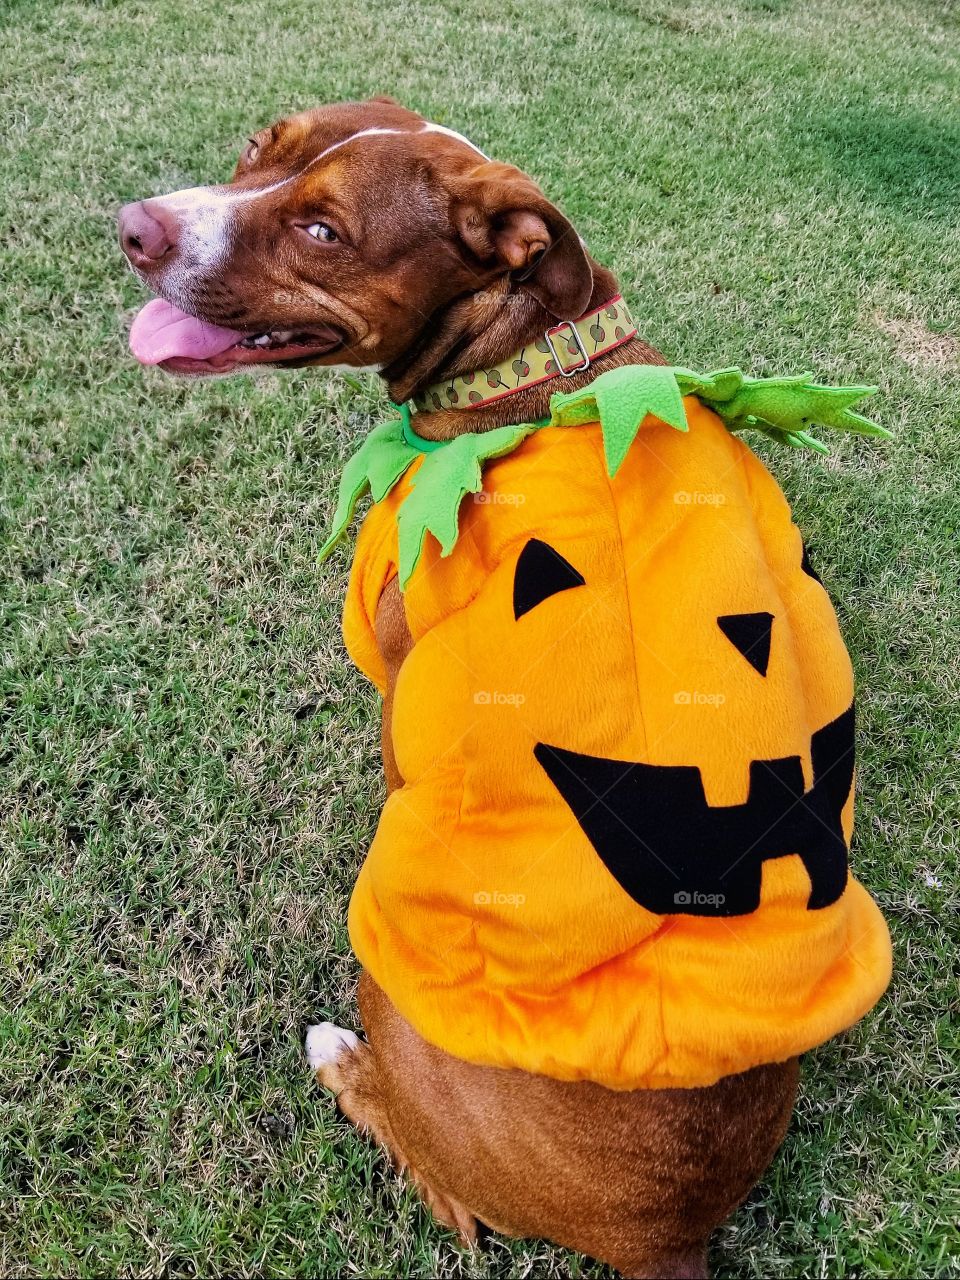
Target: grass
{"x": 189, "y": 766}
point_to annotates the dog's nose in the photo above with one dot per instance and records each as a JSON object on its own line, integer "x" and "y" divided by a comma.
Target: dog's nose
{"x": 148, "y": 232}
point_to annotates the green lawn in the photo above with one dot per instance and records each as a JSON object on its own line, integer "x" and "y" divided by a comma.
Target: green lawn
{"x": 188, "y": 765}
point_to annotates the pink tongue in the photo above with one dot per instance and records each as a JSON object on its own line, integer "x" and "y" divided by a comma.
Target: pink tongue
{"x": 161, "y": 331}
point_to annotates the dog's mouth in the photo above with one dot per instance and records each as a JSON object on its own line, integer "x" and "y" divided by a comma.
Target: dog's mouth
{"x": 164, "y": 335}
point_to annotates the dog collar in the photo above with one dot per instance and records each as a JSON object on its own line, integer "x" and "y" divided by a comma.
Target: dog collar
{"x": 564, "y": 349}
{"x": 620, "y": 400}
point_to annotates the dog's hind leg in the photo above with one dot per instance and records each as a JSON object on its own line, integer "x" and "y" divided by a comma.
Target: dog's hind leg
{"x": 347, "y": 1066}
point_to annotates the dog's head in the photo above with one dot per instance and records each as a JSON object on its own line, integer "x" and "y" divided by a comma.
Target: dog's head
{"x": 347, "y": 235}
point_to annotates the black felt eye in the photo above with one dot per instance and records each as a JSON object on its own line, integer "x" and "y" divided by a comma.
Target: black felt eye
{"x": 541, "y": 572}
{"x": 749, "y": 633}
{"x": 808, "y": 568}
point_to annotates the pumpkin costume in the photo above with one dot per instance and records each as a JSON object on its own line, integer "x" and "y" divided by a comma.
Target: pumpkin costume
{"x": 625, "y": 730}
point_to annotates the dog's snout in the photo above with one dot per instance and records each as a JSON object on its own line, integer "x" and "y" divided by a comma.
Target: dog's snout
{"x": 148, "y": 232}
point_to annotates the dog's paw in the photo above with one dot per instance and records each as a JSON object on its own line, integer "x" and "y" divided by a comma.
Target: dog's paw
{"x": 325, "y": 1044}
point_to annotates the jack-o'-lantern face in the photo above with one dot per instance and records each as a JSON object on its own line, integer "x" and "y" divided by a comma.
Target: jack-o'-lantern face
{"x": 636, "y": 704}
{"x": 651, "y": 824}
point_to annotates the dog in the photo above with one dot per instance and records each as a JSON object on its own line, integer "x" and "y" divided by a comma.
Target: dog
{"x": 363, "y": 235}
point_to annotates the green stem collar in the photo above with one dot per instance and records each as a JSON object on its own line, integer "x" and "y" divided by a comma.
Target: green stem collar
{"x": 782, "y": 408}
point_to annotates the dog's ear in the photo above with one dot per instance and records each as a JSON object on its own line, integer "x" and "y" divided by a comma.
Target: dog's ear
{"x": 503, "y": 217}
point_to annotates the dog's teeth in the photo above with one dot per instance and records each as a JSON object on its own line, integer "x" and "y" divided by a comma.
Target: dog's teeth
{"x": 281, "y": 336}
{"x": 262, "y": 340}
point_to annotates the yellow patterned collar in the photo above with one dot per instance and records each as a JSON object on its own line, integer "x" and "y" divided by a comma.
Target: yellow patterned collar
{"x": 562, "y": 350}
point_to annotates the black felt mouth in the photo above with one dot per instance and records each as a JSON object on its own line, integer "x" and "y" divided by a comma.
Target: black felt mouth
{"x": 674, "y": 854}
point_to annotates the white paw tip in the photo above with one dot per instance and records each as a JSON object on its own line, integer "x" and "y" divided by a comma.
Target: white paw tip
{"x": 325, "y": 1042}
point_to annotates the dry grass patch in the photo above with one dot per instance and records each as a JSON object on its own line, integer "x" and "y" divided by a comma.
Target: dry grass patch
{"x": 920, "y": 347}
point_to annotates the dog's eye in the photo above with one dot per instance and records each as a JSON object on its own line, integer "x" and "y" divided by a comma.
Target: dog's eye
{"x": 320, "y": 231}
{"x": 252, "y": 151}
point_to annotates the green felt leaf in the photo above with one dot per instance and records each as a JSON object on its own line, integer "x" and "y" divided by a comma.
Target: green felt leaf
{"x": 444, "y": 479}
{"x": 721, "y": 385}
{"x": 620, "y": 399}
{"x": 781, "y": 408}
{"x": 377, "y": 465}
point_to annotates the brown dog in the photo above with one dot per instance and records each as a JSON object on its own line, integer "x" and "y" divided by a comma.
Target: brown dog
{"x": 360, "y": 234}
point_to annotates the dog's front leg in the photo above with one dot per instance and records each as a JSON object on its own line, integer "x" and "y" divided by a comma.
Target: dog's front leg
{"x": 394, "y": 642}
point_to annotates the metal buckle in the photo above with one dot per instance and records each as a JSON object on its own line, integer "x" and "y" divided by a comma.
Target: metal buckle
{"x": 567, "y": 373}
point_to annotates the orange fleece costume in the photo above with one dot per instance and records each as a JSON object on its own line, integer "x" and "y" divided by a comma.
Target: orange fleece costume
{"x": 625, "y": 731}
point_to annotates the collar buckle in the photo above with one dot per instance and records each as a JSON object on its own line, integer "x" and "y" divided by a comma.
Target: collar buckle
{"x": 578, "y": 343}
